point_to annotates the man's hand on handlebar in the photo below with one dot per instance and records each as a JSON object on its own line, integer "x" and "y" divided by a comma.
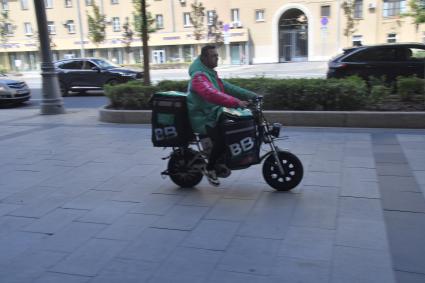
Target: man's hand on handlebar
{"x": 243, "y": 104}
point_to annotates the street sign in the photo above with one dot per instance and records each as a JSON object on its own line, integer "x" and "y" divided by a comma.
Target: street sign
{"x": 324, "y": 21}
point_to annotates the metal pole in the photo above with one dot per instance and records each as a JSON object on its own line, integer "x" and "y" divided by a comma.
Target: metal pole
{"x": 80, "y": 25}
{"x": 51, "y": 102}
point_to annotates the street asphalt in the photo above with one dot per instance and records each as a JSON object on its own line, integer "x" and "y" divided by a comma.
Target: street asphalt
{"x": 83, "y": 201}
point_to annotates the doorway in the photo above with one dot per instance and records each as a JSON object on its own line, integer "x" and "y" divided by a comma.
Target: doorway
{"x": 158, "y": 56}
{"x": 293, "y": 36}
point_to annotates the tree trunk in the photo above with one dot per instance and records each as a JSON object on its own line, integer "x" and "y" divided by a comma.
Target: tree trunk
{"x": 146, "y": 74}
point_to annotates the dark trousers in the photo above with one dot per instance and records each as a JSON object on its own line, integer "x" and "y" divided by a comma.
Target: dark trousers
{"x": 219, "y": 146}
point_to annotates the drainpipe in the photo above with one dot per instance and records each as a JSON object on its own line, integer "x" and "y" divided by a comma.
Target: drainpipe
{"x": 173, "y": 19}
{"x": 81, "y": 30}
{"x": 338, "y": 25}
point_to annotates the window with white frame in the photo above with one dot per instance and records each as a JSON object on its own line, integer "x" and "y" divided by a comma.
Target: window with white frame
{"x": 9, "y": 29}
{"x": 116, "y": 26}
{"x": 234, "y": 13}
{"x": 48, "y": 4}
{"x": 70, "y": 26}
{"x": 27, "y": 28}
{"x": 68, "y": 3}
{"x": 51, "y": 27}
{"x": 210, "y": 17}
{"x": 394, "y": 8}
{"x": 358, "y": 9}
{"x": 24, "y": 4}
{"x": 5, "y": 5}
{"x": 325, "y": 11}
{"x": 114, "y": 2}
{"x": 159, "y": 20}
{"x": 89, "y": 2}
{"x": 259, "y": 15}
{"x": 357, "y": 40}
{"x": 392, "y": 37}
{"x": 186, "y": 20}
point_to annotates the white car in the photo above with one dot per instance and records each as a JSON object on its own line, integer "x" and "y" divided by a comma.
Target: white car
{"x": 13, "y": 91}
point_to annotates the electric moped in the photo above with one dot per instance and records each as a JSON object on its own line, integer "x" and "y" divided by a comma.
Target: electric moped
{"x": 281, "y": 169}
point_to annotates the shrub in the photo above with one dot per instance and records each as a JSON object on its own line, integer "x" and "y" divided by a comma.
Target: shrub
{"x": 132, "y": 95}
{"x": 279, "y": 94}
{"x": 167, "y": 85}
{"x": 407, "y": 87}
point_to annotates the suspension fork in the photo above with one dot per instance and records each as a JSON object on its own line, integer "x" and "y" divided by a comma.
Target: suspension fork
{"x": 274, "y": 148}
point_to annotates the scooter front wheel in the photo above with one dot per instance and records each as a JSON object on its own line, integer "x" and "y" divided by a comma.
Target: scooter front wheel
{"x": 292, "y": 171}
{"x": 179, "y": 171}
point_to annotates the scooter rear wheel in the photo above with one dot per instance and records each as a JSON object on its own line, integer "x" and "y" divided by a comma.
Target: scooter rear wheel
{"x": 292, "y": 171}
{"x": 179, "y": 171}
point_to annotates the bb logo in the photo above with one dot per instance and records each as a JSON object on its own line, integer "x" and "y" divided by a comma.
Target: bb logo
{"x": 244, "y": 145}
{"x": 165, "y": 133}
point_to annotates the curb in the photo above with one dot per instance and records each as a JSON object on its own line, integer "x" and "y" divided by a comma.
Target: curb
{"x": 349, "y": 119}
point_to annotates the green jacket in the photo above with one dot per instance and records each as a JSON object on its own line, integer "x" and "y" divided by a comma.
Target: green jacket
{"x": 202, "y": 112}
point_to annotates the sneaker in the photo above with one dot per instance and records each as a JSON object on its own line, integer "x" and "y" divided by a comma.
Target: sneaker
{"x": 212, "y": 177}
{"x": 222, "y": 170}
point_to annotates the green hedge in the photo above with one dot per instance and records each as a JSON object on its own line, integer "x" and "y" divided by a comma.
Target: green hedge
{"x": 281, "y": 94}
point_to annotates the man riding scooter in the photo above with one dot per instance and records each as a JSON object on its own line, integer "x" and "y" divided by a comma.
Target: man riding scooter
{"x": 208, "y": 94}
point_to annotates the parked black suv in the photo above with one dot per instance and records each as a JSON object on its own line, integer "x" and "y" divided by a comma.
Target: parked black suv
{"x": 389, "y": 60}
{"x": 82, "y": 74}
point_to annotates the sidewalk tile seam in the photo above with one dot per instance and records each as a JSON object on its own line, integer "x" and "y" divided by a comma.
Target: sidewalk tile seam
{"x": 412, "y": 272}
{"x": 72, "y": 274}
{"x": 358, "y": 197}
{"x": 404, "y": 211}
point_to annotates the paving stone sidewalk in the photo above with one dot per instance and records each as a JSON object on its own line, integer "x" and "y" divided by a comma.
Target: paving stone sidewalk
{"x": 83, "y": 201}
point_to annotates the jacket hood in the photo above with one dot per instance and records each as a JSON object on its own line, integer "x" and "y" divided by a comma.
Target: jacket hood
{"x": 198, "y": 66}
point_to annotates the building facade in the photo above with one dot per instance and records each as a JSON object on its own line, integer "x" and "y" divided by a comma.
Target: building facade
{"x": 253, "y": 31}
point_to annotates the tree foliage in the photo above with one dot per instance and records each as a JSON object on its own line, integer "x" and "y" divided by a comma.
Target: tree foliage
{"x": 138, "y": 21}
{"x": 197, "y": 16}
{"x": 127, "y": 35}
{"x": 350, "y": 26}
{"x": 215, "y": 30}
{"x": 417, "y": 11}
{"x": 97, "y": 25}
{"x": 4, "y": 22}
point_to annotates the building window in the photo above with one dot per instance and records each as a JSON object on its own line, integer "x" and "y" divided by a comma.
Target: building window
{"x": 24, "y": 4}
{"x": 259, "y": 15}
{"x": 357, "y": 40}
{"x": 392, "y": 37}
{"x": 28, "y": 28}
{"x": 325, "y": 11}
{"x": 423, "y": 37}
{"x": 116, "y": 24}
{"x": 114, "y": 2}
{"x": 159, "y": 20}
{"x": 51, "y": 27}
{"x": 48, "y": 4}
{"x": 234, "y": 13}
{"x": 210, "y": 17}
{"x": 358, "y": 9}
{"x": 394, "y": 8}
{"x": 89, "y": 2}
{"x": 68, "y": 3}
{"x": 186, "y": 20}
{"x": 5, "y": 5}
{"x": 9, "y": 29}
{"x": 71, "y": 26}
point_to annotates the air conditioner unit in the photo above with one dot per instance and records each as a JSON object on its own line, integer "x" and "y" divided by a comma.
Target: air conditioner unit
{"x": 371, "y": 5}
{"x": 238, "y": 24}
{"x": 182, "y": 1}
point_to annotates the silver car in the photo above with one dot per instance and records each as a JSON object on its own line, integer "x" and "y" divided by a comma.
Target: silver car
{"x": 13, "y": 91}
